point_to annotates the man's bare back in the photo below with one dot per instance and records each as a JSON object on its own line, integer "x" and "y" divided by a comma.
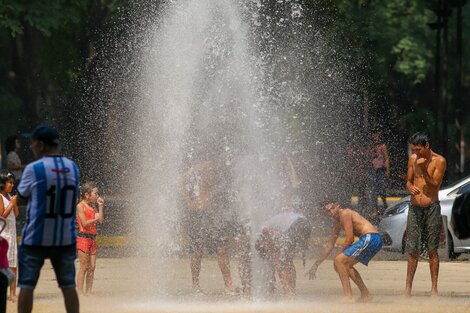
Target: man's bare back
{"x": 361, "y": 226}
{"x": 349, "y": 253}
{"x": 197, "y": 184}
{"x": 424, "y": 178}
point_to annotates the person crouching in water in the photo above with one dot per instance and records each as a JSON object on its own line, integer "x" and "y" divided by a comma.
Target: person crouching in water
{"x": 87, "y": 218}
{"x": 280, "y": 237}
{"x": 349, "y": 254}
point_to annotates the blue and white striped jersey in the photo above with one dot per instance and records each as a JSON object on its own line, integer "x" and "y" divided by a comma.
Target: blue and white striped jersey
{"x": 51, "y": 186}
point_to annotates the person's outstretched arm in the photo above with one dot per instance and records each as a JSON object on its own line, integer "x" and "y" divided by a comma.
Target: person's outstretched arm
{"x": 326, "y": 250}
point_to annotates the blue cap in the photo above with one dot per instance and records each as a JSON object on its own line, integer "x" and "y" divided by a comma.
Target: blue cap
{"x": 47, "y": 134}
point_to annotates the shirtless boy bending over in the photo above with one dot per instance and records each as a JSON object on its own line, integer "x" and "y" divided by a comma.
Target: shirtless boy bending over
{"x": 349, "y": 254}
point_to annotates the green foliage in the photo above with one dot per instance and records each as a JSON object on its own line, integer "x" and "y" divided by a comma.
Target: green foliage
{"x": 46, "y": 45}
{"x": 412, "y": 60}
{"x": 43, "y": 15}
{"x": 466, "y": 128}
{"x": 388, "y": 43}
{"x": 421, "y": 120}
{"x": 11, "y": 108}
{"x": 9, "y": 17}
{"x": 399, "y": 29}
{"x": 385, "y": 35}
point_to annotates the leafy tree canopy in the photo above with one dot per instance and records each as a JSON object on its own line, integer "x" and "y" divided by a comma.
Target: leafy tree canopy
{"x": 43, "y": 15}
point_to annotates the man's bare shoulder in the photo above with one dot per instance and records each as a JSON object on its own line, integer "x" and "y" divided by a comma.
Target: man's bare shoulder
{"x": 346, "y": 213}
{"x": 80, "y": 206}
{"x": 439, "y": 158}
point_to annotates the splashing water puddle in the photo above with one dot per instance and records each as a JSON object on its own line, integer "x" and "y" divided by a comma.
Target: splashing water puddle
{"x": 116, "y": 291}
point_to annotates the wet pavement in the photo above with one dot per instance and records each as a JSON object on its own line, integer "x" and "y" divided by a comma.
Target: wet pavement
{"x": 129, "y": 285}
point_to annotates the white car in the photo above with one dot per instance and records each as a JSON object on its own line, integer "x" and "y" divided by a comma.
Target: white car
{"x": 393, "y": 223}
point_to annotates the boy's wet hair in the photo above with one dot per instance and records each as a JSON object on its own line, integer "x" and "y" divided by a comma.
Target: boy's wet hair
{"x": 87, "y": 187}
{"x": 419, "y": 139}
{"x": 327, "y": 200}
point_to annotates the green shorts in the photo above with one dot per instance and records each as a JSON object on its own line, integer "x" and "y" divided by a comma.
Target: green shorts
{"x": 423, "y": 228}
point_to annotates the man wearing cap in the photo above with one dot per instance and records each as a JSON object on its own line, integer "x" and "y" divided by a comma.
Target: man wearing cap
{"x": 51, "y": 186}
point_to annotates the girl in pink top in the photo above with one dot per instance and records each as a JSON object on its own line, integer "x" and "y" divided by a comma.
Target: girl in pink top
{"x": 379, "y": 170}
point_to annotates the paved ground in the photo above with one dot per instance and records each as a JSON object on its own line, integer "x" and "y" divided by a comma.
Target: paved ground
{"x": 130, "y": 285}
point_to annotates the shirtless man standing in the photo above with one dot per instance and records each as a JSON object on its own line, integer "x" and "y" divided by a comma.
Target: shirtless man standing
{"x": 349, "y": 254}
{"x": 425, "y": 172}
{"x": 204, "y": 196}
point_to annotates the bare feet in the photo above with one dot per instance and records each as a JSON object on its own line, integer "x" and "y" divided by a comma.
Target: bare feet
{"x": 288, "y": 292}
{"x": 13, "y": 298}
{"x": 198, "y": 293}
{"x": 365, "y": 298}
{"x": 289, "y": 296}
{"x": 347, "y": 300}
{"x": 246, "y": 291}
{"x": 246, "y": 295}
{"x": 232, "y": 291}
{"x": 407, "y": 293}
{"x": 434, "y": 293}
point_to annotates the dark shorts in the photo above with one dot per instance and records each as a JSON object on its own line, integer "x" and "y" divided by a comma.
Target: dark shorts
{"x": 365, "y": 248}
{"x": 240, "y": 228}
{"x": 423, "y": 228}
{"x": 295, "y": 238}
{"x": 31, "y": 260}
{"x": 204, "y": 231}
{"x": 3, "y": 292}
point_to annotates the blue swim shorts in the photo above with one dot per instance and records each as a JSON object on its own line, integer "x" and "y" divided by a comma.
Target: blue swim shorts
{"x": 365, "y": 248}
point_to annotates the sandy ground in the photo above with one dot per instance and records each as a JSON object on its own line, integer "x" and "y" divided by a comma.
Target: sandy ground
{"x": 117, "y": 289}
